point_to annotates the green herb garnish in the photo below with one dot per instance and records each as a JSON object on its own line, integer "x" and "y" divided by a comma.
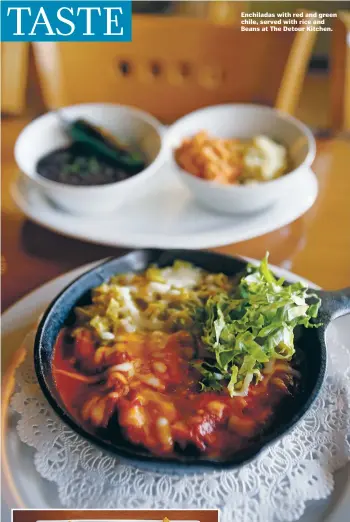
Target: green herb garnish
{"x": 246, "y": 330}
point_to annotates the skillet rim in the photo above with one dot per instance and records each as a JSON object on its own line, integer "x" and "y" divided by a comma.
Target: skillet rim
{"x": 149, "y": 461}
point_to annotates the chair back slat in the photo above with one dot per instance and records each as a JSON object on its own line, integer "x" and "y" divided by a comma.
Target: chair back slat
{"x": 175, "y": 65}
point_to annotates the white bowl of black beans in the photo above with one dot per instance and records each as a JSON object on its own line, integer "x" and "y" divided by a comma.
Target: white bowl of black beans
{"x": 76, "y": 177}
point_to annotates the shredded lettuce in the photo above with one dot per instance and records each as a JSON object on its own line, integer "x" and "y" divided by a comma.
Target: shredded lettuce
{"x": 246, "y": 330}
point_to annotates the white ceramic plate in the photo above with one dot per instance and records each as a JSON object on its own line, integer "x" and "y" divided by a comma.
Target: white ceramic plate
{"x": 23, "y": 487}
{"x": 165, "y": 216}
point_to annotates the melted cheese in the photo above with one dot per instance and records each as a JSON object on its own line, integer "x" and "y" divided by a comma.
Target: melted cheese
{"x": 181, "y": 277}
{"x": 135, "y": 318}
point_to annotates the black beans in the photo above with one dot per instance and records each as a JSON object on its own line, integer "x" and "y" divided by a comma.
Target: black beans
{"x": 77, "y": 165}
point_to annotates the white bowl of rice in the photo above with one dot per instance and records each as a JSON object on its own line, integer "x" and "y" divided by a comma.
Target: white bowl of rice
{"x": 240, "y": 158}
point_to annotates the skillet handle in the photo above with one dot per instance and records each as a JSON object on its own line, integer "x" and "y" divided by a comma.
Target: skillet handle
{"x": 334, "y": 304}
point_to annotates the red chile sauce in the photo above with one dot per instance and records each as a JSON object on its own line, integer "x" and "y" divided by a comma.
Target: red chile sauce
{"x": 211, "y": 422}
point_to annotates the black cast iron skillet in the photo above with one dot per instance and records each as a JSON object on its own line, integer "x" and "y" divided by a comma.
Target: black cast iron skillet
{"x": 310, "y": 341}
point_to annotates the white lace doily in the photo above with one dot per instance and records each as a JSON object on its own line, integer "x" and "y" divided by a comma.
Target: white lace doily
{"x": 274, "y": 487}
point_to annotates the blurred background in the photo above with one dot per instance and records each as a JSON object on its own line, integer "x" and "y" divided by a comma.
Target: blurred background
{"x": 185, "y": 55}
{"x": 23, "y": 86}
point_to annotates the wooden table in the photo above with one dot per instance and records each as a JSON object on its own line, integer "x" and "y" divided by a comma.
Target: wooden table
{"x": 316, "y": 246}
{"x": 33, "y": 516}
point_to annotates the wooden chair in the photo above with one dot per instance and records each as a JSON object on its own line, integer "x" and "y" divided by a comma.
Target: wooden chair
{"x": 14, "y": 73}
{"x": 226, "y": 11}
{"x": 340, "y": 73}
{"x": 218, "y": 11}
{"x": 175, "y": 65}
